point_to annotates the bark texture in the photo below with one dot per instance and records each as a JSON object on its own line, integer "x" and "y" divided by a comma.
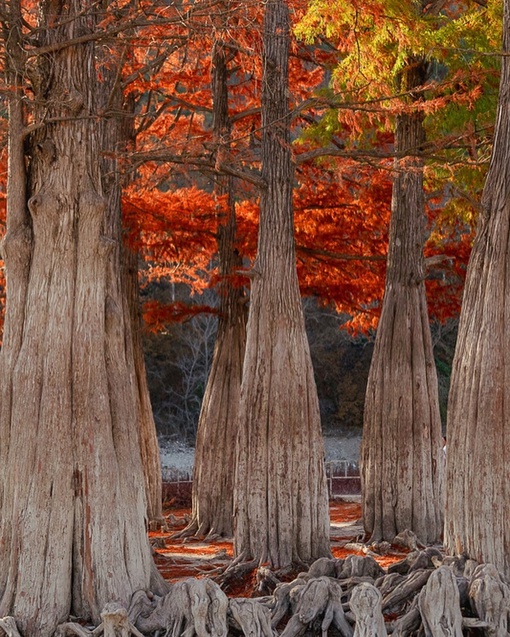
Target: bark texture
{"x": 213, "y": 473}
{"x": 439, "y": 605}
{"x": 149, "y": 446}
{"x": 478, "y": 474}
{"x": 402, "y": 463}
{"x": 280, "y": 496}
{"x": 72, "y": 494}
{"x": 365, "y": 603}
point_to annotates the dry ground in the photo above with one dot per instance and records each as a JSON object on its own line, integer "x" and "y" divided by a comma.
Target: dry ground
{"x": 178, "y": 559}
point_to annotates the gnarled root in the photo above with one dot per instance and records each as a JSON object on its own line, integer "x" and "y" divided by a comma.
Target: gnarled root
{"x": 490, "y": 598}
{"x": 285, "y": 598}
{"x": 397, "y": 598}
{"x": 319, "y": 600}
{"x": 9, "y": 627}
{"x": 409, "y": 623}
{"x": 236, "y": 572}
{"x": 251, "y": 617}
{"x": 191, "y": 607}
{"x": 266, "y": 580}
{"x": 439, "y": 605}
{"x": 115, "y": 624}
{"x": 366, "y": 601}
{"x": 358, "y": 566}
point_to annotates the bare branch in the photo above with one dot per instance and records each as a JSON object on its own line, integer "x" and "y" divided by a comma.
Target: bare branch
{"x": 200, "y": 163}
{"x": 337, "y": 256}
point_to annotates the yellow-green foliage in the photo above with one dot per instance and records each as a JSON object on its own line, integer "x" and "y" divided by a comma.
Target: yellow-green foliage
{"x": 377, "y": 40}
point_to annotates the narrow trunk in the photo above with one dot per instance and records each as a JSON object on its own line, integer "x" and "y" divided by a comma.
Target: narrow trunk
{"x": 71, "y": 491}
{"x": 213, "y": 473}
{"x": 401, "y": 455}
{"x": 280, "y": 495}
{"x": 151, "y": 460}
{"x": 478, "y": 470}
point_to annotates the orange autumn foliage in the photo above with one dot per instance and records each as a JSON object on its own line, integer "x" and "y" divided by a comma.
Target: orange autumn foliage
{"x": 171, "y": 163}
{"x": 341, "y": 206}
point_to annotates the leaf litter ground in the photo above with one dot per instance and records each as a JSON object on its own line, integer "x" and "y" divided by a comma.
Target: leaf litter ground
{"x": 180, "y": 558}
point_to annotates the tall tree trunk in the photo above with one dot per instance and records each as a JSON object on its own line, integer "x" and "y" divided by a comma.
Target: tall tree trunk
{"x": 280, "y": 495}
{"x": 72, "y": 489}
{"x": 212, "y": 507}
{"x": 213, "y": 473}
{"x": 401, "y": 456}
{"x": 478, "y": 470}
{"x": 149, "y": 446}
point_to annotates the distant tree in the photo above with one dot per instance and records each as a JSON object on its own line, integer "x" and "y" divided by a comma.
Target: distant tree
{"x": 280, "y": 494}
{"x": 213, "y": 475}
{"x": 402, "y": 462}
{"x": 149, "y": 446}
{"x": 478, "y": 479}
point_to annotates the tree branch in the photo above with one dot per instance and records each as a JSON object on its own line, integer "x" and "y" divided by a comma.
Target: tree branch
{"x": 165, "y": 156}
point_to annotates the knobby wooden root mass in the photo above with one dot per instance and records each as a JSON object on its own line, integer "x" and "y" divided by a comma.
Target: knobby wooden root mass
{"x": 424, "y": 594}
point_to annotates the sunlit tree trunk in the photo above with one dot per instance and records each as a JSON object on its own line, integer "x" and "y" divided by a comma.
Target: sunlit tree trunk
{"x": 72, "y": 492}
{"x": 213, "y": 472}
{"x": 401, "y": 456}
{"x": 478, "y": 470}
{"x": 280, "y": 495}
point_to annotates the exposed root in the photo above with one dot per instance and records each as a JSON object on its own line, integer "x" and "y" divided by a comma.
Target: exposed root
{"x": 266, "y": 581}
{"x": 407, "y": 539}
{"x": 190, "y": 530}
{"x": 236, "y": 573}
{"x": 426, "y": 594}
{"x": 115, "y": 623}
{"x": 439, "y": 605}
{"x": 285, "y": 599}
{"x": 320, "y": 604}
{"x": 9, "y": 627}
{"x": 490, "y": 599}
{"x": 251, "y": 617}
{"x": 323, "y": 566}
{"x": 408, "y": 624}
{"x": 366, "y": 601}
{"x": 157, "y": 524}
{"x": 192, "y": 607}
{"x": 358, "y": 566}
{"x": 397, "y": 598}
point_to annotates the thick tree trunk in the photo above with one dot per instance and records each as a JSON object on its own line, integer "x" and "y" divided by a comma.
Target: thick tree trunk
{"x": 72, "y": 488}
{"x": 213, "y": 473}
{"x": 401, "y": 457}
{"x": 478, "y": 473}
{"x": 280, "y": 495}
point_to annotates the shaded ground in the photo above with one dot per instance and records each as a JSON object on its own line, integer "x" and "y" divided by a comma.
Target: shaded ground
{"x": 178, "y": 559}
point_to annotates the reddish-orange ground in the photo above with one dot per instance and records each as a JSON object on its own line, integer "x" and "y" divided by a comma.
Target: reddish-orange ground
{"x": 191, "y": 557}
